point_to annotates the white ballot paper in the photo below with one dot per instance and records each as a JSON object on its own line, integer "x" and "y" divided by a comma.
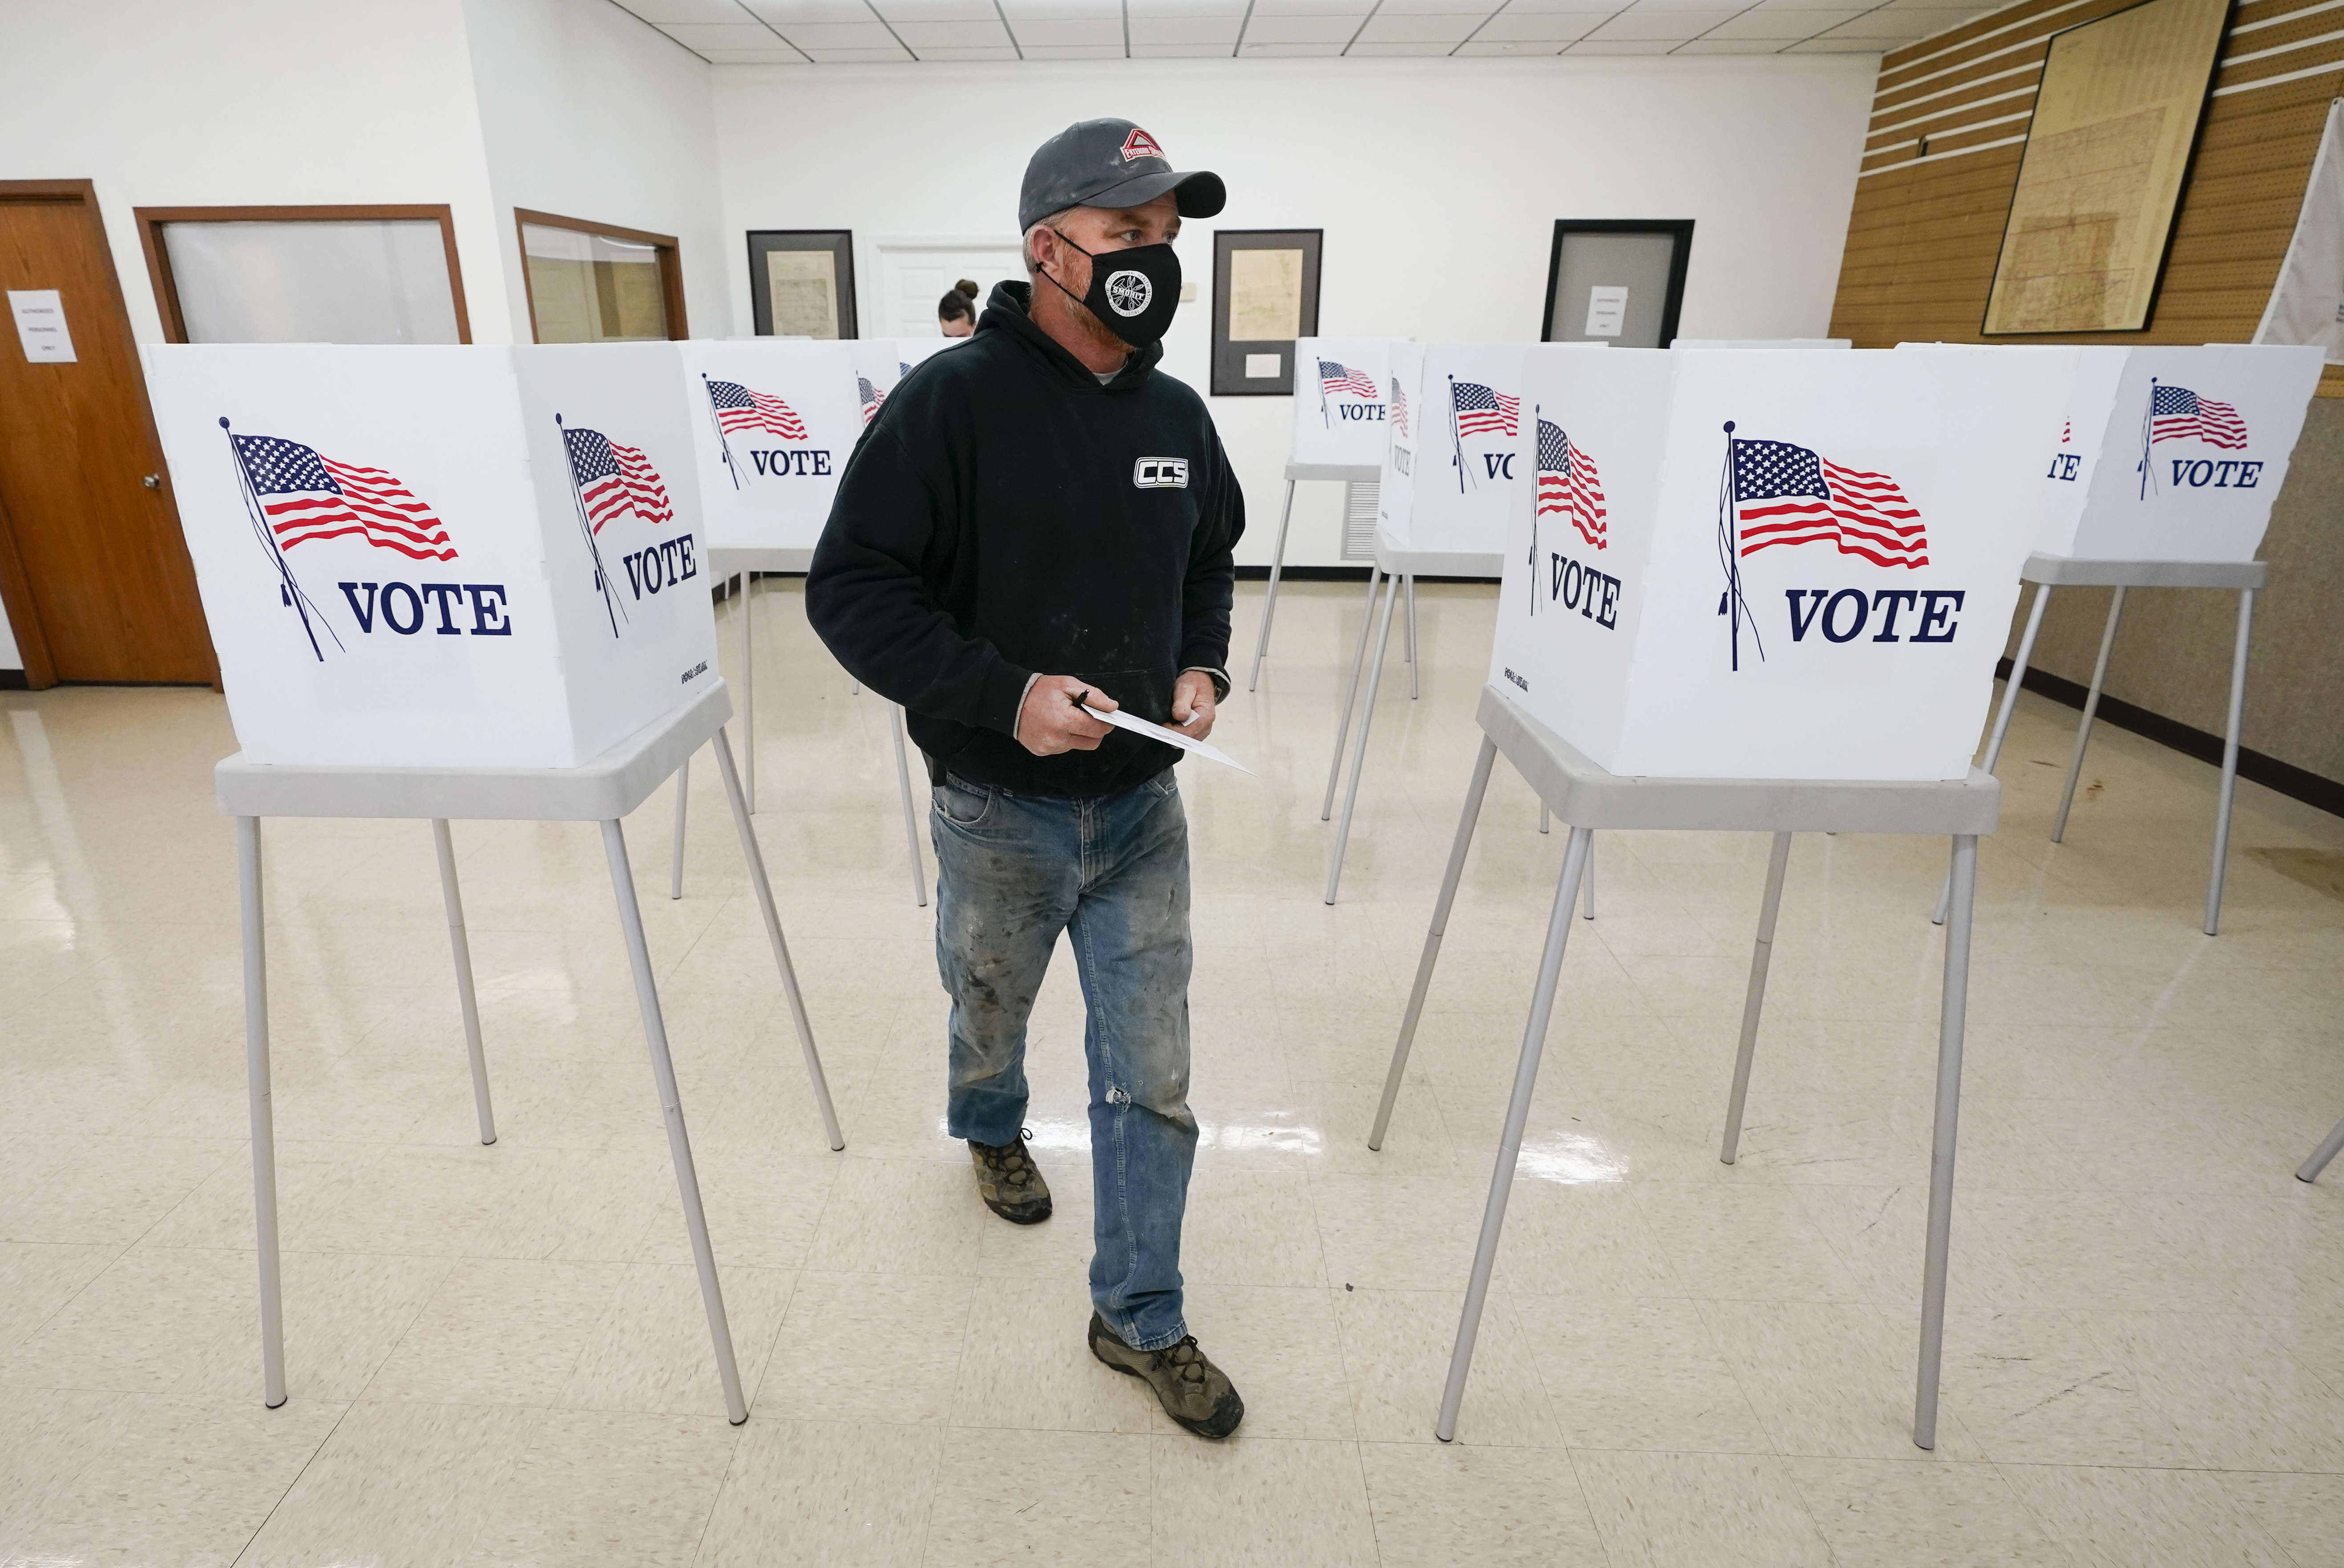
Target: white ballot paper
{"x": 1123, "y": 720}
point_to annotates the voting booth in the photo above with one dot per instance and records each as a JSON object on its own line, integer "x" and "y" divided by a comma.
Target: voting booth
{"x": 1449, "y": 468}
{"x": 773, "y": 421}
{"x": 440, "y": 556}
{"x": 1770, "y": 564}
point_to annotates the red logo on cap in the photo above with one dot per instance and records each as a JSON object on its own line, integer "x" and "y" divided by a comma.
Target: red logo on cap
{"x": 1138, "y": 144}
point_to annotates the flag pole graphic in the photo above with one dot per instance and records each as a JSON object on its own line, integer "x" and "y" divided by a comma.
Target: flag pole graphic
{"x": 2147, "y": 420}
{"x": 1456, "y": 437}
{"x": 1325, "y": 418}
{"x": 289, "y": 585}
{"x": 1535, "y": 410}
{"x": 722, "y": 445}
{"x": 1729, "y": 556}
{"x": 586, "y": 528}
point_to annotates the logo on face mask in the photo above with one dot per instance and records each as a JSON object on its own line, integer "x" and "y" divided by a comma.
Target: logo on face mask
{"x": 1139, "y": 145}
{"x": 1129, "y": 292}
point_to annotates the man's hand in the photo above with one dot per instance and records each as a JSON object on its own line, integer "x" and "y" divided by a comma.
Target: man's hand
{"x": 1193, "y": 704}
{"x": 1053, "y": 721}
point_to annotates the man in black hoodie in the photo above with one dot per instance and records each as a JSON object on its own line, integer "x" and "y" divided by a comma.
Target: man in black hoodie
{"x": 1037, "y": 524}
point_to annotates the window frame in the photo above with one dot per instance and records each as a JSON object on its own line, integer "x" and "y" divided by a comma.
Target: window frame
{"x": 151, "y": 219}
{"x": 665, "y": 246}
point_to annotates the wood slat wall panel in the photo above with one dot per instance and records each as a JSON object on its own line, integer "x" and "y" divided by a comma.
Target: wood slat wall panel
{"x": 1923, "y": 236}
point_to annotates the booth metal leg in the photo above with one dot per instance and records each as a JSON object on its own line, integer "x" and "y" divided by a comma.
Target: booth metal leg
{"x": 763, "y": 888}
{"x": 1269, "y": 601}
{"x": 749, "y": 685}
{"x": 682, "y": 797}
{"x": 911, "y": 819}
{"x": 1762, "y": 954}
{"x": 1360, "y": 749}
{"x": 462, "y": 947}
{"x": 2229, "y": 762}
{"x": 1509, "y": 1143}
{"x": 1414, "y": 689}
{"x": 2091, "y": 707}
{"x": 1546, "y": 818}
{"x": 1950, "y": 1020}
{"x": 1588, "y": 881}
{"x": 2310, "y": 1168}
{"x": 2001, "y": 717}
{"x": 687, "y": 1179}
{"x": 264, "y": 1119}
{"x": 1351, "y": 694}
{"x": 1474, "y": 792}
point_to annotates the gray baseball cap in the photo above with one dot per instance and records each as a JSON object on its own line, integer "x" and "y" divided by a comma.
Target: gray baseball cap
{"x": 1109, "y": 163}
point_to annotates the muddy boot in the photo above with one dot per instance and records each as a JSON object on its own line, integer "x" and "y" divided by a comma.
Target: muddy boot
{"x": 1194, "y": 1393}
{"x": 1008, "y": 1182}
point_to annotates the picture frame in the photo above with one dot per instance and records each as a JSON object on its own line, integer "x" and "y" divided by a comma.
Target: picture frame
{"x": 1265, "y": 286}
{"x": 815, "y": 275}
{"x": 1616, "y": 280}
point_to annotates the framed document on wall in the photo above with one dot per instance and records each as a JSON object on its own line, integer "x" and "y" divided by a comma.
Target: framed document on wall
{"x": 802, "y": 282}
{"x": 1616, "y": 280}
{"x": 1265, "y": 296}
{"x": 2107, "y": 156}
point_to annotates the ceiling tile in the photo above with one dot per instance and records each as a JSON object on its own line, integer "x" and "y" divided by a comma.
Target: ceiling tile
{"x": 1095, "y": 31}
{"x": 1434, "y": 49}
{"x": 1523, "y": 48}
{"x": 937, "y": 10}
{"x": 1631, "y": 27}
{"x": 1476, "y": 9}
{"x": 1074, "y": 51}
{"x": 1838, "y": 47}
{"x": 661, "y": 13}
{"x": 1661, "y": 7}
{"x": 1337, "y": 30}
{"x": 857, "y": 57}
{"x": 779, "y": 55}
{"x": 1898, "y": 24}
{"x": 785, "y": 12}
{"x": 1167, "y": 30}
{"x": 1733, "y": 46}
{"x": 1181, "y": 51}
{"x": 1067, "y": 10}
{"x": 921, "y": 37}
{"x": 1510, "y": 25}
{"x": 1003, "y": 53}
{"x": 1289, "y": 51}
{"x": 1354, "y": 9}
{"x": 1386, "y": 28}
{"x": 1646, "y": 47}
{"x": 743, "y": 35}
{"x": 1778, "y": 24}
{"x": 864, "y": 34}
{"x": 1560, "y": 7}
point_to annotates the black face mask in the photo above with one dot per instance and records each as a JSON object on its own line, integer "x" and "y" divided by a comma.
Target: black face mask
{"x": 1133, "y": 292}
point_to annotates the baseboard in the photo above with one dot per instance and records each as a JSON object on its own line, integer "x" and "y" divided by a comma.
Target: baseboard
{"x": 2299, "y": 783}
{"x": 13, "y": 681}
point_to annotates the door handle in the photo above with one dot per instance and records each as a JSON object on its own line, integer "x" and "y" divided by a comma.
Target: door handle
{"x": 153, "y": 481}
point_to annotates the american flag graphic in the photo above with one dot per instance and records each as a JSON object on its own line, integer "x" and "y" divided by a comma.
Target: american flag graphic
{"x": 872, "y": 397}
{"x": 1568, "y": 484}
{"x": 1400, "y": 410}
{"x": 2177, "y": 414}
{"x": 1790, "y": 495}
{"x": 1336, "y": 377}
{"x": 306, "y": 495}
{"x": 1484, "y": 411}
{"x": 613, "y": 480}
{"x": 740, "y": 408}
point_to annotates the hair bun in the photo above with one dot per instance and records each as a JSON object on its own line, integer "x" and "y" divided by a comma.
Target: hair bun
{"x": 967, "y": 287}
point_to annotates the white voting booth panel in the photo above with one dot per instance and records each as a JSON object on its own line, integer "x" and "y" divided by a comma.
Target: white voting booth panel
{"x": 399, "y": 567}
{"x": 772, "y": 422}
{"x": 881, "y": 362}
{"x": 2172, "y": 453}
{"x": 1769, "y": 564}
{"x": 1449, "y": 467}
{"x": 1342, "y": 389}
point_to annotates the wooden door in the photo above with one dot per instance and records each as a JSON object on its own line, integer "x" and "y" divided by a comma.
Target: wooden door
{"x": 93, "y": 566}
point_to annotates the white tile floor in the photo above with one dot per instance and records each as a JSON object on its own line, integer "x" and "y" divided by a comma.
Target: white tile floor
{"x": 497, "y": 1354}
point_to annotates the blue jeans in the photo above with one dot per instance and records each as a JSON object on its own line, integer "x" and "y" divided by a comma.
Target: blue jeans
{"x": 1014, "y": 871}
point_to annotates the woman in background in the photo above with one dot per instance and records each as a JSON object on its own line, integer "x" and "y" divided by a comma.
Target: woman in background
{"x": 956, "y": 311}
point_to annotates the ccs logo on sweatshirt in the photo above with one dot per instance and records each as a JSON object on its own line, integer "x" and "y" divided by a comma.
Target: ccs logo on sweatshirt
{"x": 1161, "y": 473}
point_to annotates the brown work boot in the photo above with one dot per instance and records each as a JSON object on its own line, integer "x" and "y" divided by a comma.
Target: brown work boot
{"x": 1008, "y": 1182}
{"x": 1194, "y": 1393}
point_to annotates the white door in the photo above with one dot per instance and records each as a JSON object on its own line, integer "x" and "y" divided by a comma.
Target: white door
{"x": 914, "y": 273}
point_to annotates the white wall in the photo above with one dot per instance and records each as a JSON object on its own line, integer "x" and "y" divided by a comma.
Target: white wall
{"x": 588, "y": 112}
{"x": 1437, "y": 181}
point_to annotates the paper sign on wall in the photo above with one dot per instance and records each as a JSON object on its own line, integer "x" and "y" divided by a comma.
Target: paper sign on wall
{"x": 41, "y": 327}
{"x": 1607, "y": 311}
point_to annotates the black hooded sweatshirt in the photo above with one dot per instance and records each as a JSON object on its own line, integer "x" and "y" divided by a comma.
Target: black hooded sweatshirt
{"x": 1005, "y": 514}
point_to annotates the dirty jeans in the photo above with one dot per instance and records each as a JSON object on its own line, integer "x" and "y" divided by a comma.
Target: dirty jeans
{"x": 1014, "y": 871}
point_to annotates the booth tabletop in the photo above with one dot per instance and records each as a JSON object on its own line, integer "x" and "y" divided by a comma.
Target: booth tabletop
{"x": 1583, "y": 795}
{"x": 724, "y": 559}
{"x": 1404, "y": 561}
{"x": 1365, "y": 473}
{"x": 2065, "y": 572}
{"x": 602, "y": 790}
